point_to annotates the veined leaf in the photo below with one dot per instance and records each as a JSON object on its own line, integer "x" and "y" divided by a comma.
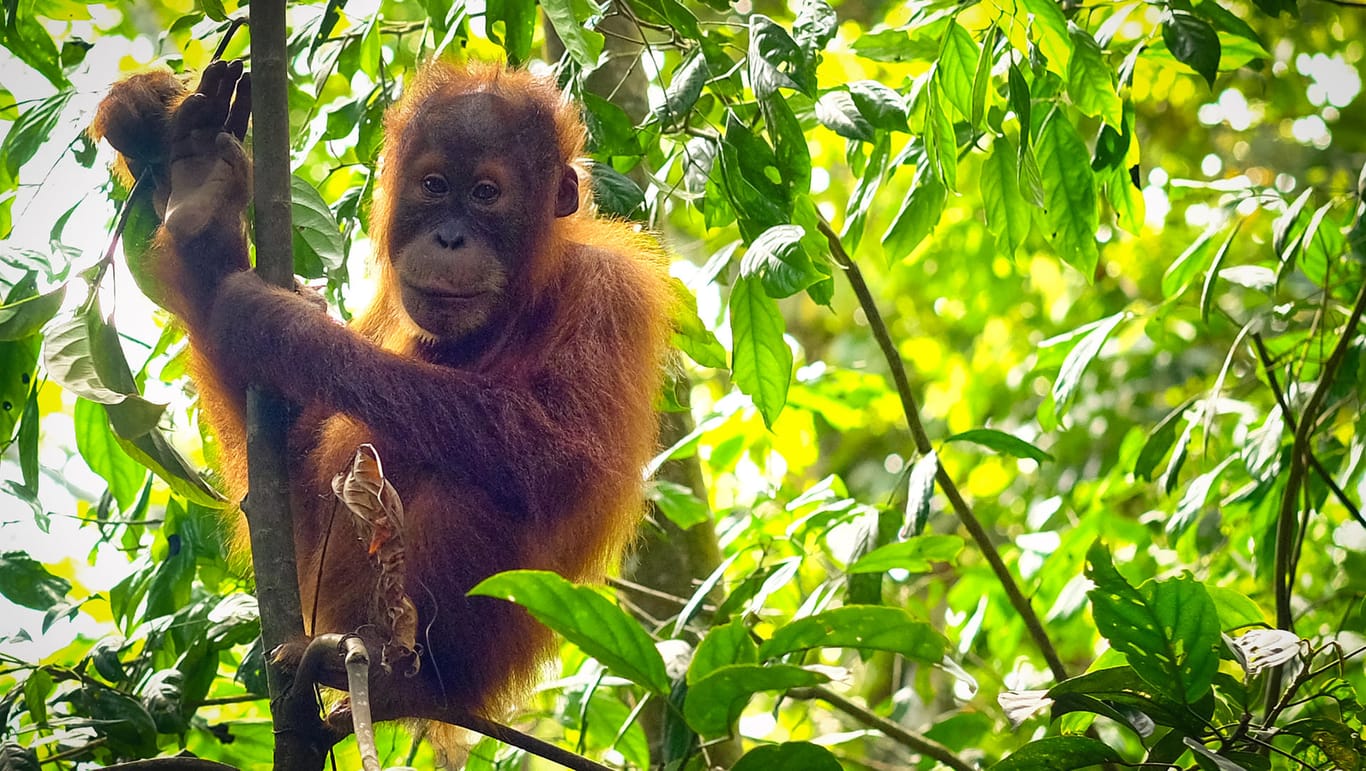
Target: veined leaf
{"x": 1069, "y": 188}
{"x": 1091, "y": 80}
{"x": 761, "y": 361}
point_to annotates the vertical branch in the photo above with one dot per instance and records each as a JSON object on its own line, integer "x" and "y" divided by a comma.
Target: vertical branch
{"x": 300, "y": 742}
{"x": 979, "y": 534}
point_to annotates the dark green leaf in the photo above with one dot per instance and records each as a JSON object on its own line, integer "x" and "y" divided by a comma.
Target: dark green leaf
{"x": 1168, "y": 629}
{"x": 513, "y": 24}
{"x": 318, "y": 243}
{"x": 585, "y": 618}
{"x": 815, "y": 26}
{"x": 895, "y": 45}
{"x": 775, "y": 61}
{"x": 779, "y": 261}
{"x": 914, "y": 554}
{"x": 119, "y": 718}
{"x": 671, "y": 13}
{"x": 1193, "y": 42}
{"x": 1001, "y": 442}
{"x": 616, "y": 193}
{"x": 866, "y": 627}
{"x": 18, "y": 359}
{"x": 16, "y": 757}
{"x": 916, "y": 220}
{"x": 1069, "y": 188}
{"x": 684, "y": 90}
{"x": 24, "y": 316}
{"x": 882, "y": 106}
{"x": 761, "y": 361}
{"x": 34, "y": 127}
{"x": 715, "y": 702}
{"x": 837, "y": 111}
{"x": 789, "y": 143}
{"x": 1157, "y": 444}
{"x": 24, "y": 581}
{"x": 790, "y": 756}
{"x": 1059, "y": 753}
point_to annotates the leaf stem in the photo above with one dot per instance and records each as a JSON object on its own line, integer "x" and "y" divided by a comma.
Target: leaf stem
{"x": 922, "y": 443}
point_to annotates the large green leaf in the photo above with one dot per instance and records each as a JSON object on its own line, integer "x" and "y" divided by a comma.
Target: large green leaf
{"x": 585, "y": 618}
{"x": 1069, "y": 188}
{"x": 761, "y": 362}
{"x": 1168, "y": 629}
{"x": 1006, "y": 210}
{"x": 1059, "y": 753}
{"x": 956, "y": 69}
{"x": 914, "y": 554}
{"x": 568, "y": 17}
{"x": 1091, "y": 80}
{"x": 24, "y": 581}
{"x": 791, "y": 756}
{"x": 318, "y": 242}
{"x": 715, "y": 702}
{"x": 917, "y": 218}
{"x": 1193, "y": 42}
{"x": 779, "y": 261}
{"x": 866, "y": 627}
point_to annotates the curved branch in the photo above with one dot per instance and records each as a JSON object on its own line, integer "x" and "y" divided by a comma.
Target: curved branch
{"x": 922, "y": 444}
{"x": 904, "y": 736}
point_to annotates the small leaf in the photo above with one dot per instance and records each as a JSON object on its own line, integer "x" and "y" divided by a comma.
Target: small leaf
{"x": 914, "y": 554}
{"x": 1059, "y": 753}
{"x": 585, "y": 618}
{"x": 677, "y": 503}
{"x": 691, "y": 336}
{"x": 1079, "y": 358}
{"x": 24, "y": 581}
{"x": 796, "y": 756}
{"x": 1193, "y": 42}
{"x": 715, "y": 702}
{"x": 1001, "y": 442}
{"x": 866, "y": 627}
{"x": 919, "y": 493}
{"x": 684, "y": 90}
{"x": 615, "y": 193}
{"x": 761, "y": 361}
{"x": 724, "y": 645}
{"x": 24, "y": 316}
{"x": 882, "y": 106}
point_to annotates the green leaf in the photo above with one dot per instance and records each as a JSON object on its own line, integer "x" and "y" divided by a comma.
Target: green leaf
{"x": 1001, "y": 442}
{"x": 779, "y": 261}
{"x": 1069, "y": 188}
{"x": 691, "y": 336}
{"x": 1059, "y": 753}
{"x": 677, "y": 502}
{"x": 1079, "y": 358}
{"x": 895, "y": 45}
{"x": 318, "y": 242}
{"x": 981, "y": 77}
{"x": 815, "y": 26}
{"x": 24, "y": 36}
{"x": 775, "y": 61}
{"x": 753, "y": 181}
{"x": 21, "y": 317}
{"x": 1101, "y": 691}
{"x": 715, "y": 702}
{"x": 1091, "y": 80}
{"x": 882, "y": 106}
{"x": 35, "y": 126}
{"x": 723, "y": 646}
{"x": 1193, "y": 42}
{"x": 615, "y": 193}
{"x": 684, "y": 90}
{"x": 105, "y": 456}
{"x": 671, "y": 13}
{"x": 761, "y": 362}
{"x": 512, "y": 23}
{"x": 1169, "y": 629}
{"x": 583, "y": 44}
{"x": 791, "y": 756}
{"x": 1192, "y": 262}
{"x": 866, "y": 627}
{"x": 1048, "y": 29}
{"x": 18, "y": 358}
{"x": 24, "y": 581}
{"x": 957, "y": 66}
{"x": 916, "y": 220}
{"x": 84, "y": 356}
{"x": 789, "y": 143}
{"x": 585, "y": 618}
{"x": 1158, "y": 442}
{"x": 1006, "y": 210}
{"x": 837, "y": 111}
{"x": 914, "y": 554}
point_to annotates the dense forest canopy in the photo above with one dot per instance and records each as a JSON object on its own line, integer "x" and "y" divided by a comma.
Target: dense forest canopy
{"x": 1015, "y": 419}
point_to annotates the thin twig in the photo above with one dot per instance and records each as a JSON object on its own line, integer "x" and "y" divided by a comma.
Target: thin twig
{"x": 904, "y": 736}
{"x": 1268, "y": 366}
{"x": 1299, "y": 455}
{"x": 923, "y": 445}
